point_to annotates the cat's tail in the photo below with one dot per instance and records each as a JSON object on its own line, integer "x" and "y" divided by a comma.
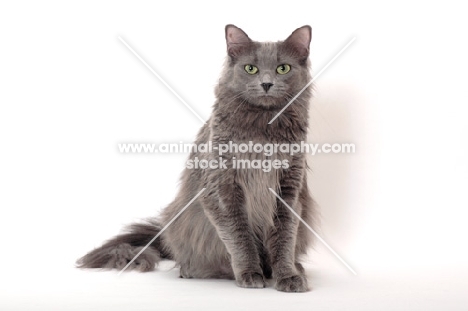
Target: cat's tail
{"x": 117, "y": 252}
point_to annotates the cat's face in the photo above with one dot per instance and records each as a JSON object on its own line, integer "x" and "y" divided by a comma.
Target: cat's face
{"x": 267, "y": 74}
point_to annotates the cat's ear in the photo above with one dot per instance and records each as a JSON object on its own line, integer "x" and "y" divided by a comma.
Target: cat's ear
{"x": 237, "y": 41}
{"x": 299, "y": 41}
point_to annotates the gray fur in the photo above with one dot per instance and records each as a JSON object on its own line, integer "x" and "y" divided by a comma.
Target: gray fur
{"x": 237, "y": 228}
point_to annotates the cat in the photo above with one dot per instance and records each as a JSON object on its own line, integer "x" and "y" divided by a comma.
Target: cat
{"x": 237, "y": 228}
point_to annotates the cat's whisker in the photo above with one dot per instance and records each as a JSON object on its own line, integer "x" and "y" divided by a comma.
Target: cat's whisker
{"x": 243, "y": 102}
{"x": 236, "y": 97}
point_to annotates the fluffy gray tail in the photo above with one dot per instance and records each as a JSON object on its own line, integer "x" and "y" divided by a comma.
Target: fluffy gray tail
{"x": 120, "y": 250}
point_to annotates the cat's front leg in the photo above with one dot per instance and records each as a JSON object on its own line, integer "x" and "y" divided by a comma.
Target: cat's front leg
{"x": 289, "y": 275}
{"x": 225, "y": 208}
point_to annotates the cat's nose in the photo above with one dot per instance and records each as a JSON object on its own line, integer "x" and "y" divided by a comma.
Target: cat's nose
{"x": 266, "y": 86}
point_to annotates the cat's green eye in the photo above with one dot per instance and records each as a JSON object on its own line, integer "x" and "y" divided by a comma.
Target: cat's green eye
{"x": 251, "y": 69}
{"x": 283, "y": 69}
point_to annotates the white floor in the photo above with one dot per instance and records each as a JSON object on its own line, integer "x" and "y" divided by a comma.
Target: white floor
{"x": 332, "y": 288}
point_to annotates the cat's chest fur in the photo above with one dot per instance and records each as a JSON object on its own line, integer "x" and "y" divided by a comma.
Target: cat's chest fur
{"x": 251, "y": 127}
{"x": 256, "y": 182}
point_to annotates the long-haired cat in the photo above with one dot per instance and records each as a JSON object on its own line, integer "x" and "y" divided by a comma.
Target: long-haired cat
{"x": 237, "y": 228}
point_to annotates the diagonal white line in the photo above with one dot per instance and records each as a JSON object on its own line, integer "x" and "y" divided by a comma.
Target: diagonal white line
{"x": 313, "y": 79}
{"x": 315, "y": 233}
{"x": 162, "y": 230}
{"x": 161, "y": 79}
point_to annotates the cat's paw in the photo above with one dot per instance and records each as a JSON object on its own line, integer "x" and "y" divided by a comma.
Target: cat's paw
{"x": 184, "y": 274}
{"x": 295, "y": 283}
{"x": 250, "y": 280}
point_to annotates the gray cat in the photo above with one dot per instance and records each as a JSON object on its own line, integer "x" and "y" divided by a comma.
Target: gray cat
{"x": 237, "y": 228}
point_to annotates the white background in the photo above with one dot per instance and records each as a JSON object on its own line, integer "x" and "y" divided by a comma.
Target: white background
{"x": 70, "y": 91}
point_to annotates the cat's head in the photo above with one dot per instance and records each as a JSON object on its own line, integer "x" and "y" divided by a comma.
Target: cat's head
{"x": 267, "y": 74}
